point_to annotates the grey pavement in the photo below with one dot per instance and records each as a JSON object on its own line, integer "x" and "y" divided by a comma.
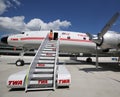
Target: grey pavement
{"x": 87, "y": 81}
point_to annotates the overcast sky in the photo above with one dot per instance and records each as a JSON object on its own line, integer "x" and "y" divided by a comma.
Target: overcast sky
{"x": 72, "y": 15}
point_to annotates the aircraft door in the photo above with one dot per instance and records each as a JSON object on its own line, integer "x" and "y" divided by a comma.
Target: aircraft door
{"x": 55, "y": 36}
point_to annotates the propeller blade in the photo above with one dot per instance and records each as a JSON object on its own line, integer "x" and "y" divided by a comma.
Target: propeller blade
{"x": 108, "y": 25}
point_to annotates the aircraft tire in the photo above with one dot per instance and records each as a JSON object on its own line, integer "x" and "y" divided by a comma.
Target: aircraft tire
{"x": 19, "y": 62}
{"x": 89, "y": 60}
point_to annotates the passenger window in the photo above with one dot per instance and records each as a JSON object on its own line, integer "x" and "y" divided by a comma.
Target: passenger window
{"x": 68, "y": 37}
{"x": 27, "y": 34}
{"x": 84, "y": 38}
{"x": 22, "y": 32}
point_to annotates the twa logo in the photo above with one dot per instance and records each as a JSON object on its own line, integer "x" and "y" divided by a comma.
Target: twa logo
{"x": 64, "y": 81}
{"x": 15, "y": 82}
{"x": 42, "y": 81}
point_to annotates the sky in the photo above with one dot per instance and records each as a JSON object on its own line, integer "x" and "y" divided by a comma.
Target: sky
{"x": 70, "y": 15}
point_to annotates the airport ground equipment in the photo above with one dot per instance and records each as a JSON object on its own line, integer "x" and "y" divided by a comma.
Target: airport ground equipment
{"x": 18, "y": 80}
{"x": 44, "y": 71}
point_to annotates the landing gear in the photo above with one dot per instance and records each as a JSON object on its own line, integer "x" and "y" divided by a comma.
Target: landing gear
{"x": 89, "y": 60}
{"x": 97, "y": 58}
{"x": 19, "y": 62}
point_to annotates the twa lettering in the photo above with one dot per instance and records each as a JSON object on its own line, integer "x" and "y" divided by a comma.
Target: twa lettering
{"x": 15, "y": 82}
{"x": 64, "y": 81}
{"x": 42, "y": 81}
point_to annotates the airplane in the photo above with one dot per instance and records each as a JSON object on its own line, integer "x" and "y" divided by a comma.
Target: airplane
{"x": 74, "y": 42}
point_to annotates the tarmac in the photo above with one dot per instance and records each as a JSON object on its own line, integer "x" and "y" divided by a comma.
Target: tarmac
{"x": 87, "y": 81}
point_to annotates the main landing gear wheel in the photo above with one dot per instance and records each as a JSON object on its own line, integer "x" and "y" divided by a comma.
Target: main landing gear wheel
{"x": 19, "y": 62}
{"x": 89, "y": 60}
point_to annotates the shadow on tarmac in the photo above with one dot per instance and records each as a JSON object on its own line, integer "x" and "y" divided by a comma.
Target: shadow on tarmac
{"x": 103, "y": 66}
{"x": 106, "y": 66}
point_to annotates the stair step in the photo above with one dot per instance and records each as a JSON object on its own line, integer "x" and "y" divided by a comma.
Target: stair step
{"x": 49, "y": 49}
{"x": 49, "y": 46}
{"x": 42, "y": 75}
{"x": 41, "y": 78}
{"x": 47, "y": 58}
{"x": 46, "y": 61}
{"x": 49, "y": 52}
{"x": 45, "y": 65}
{"x": 52, "y": 42}
{"x": 50, "y": 55}
{"x": 43, "y": 70}
{"x": 38, "y": 87}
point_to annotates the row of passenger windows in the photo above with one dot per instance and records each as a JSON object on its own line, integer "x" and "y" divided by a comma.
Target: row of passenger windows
{"x": 70, "y": 38}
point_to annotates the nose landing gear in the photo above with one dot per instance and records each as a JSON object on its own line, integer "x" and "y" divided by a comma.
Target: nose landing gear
{"x": 20, "y": 61}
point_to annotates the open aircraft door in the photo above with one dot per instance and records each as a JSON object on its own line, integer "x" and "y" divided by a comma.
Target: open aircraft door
{"x": 55, "y": 36}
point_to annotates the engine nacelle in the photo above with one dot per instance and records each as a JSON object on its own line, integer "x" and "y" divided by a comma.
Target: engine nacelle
{"x": 110, "y": 40}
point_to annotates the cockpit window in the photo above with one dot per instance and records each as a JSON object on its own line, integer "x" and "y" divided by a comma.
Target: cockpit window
{"x": 22, "y": 32}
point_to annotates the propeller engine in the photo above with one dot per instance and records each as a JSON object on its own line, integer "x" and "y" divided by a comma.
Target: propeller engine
{"x": 107, "y": 39}
{"x": 111, "y": 40}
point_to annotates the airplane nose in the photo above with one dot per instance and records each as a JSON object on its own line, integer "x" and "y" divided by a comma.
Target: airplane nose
{"x": 4, "y": 39}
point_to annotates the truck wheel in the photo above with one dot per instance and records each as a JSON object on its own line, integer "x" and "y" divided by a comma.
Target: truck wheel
{"x": 19, "y": 63}
{"x": 89, "y": 60}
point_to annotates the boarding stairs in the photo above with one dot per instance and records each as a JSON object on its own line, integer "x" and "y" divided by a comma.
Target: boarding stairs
{"x": 42, "y": 71}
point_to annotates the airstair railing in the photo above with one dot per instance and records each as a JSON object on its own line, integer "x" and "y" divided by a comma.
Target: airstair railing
{"x": 56, "y": 63}
{"x": 33, "y": 62}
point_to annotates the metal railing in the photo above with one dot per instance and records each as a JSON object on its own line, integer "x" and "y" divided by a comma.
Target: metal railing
{"x": 56, "y": 63}
{"x": 34, "y": 61}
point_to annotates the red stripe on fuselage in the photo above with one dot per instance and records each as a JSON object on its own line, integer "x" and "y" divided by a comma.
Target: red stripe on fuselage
{"x": 41, "y": 38}
{"x": 14, "y": 39}
{"x": 76, "y": 40}
{"x": 32, "y": 38}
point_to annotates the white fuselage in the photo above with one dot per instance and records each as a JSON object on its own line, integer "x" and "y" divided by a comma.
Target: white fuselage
{"x": 69, "y": 41}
